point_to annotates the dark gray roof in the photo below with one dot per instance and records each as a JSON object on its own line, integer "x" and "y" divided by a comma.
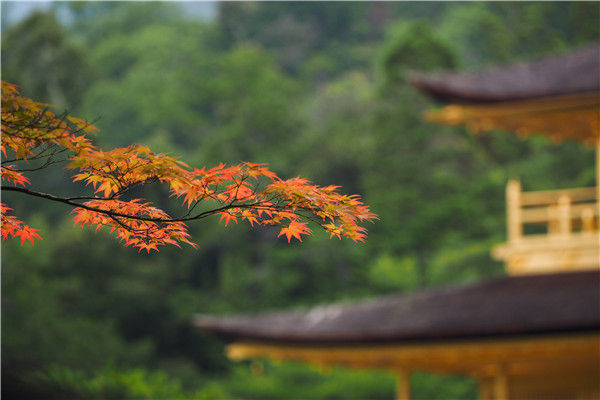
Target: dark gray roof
{"x": 561, "y": 74}
{"x": 518, "y": 305}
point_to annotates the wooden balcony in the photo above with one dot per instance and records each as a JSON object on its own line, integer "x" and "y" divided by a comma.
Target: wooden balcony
{"x": 549, "y": 231}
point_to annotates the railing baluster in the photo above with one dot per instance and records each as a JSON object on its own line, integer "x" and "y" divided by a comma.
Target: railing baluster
{"x": 513, "y": 205}
{"x": 564, "y": 215}
{"x": 587, "y": 220}
{"x": 552, "y": 219}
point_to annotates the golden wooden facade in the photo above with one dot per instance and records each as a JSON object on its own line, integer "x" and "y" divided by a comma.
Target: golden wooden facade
{"x": 563, "y": 366}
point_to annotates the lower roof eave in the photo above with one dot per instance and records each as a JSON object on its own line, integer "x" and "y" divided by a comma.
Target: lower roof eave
{"x": 396, "y": 339}
{"x": 577, "y": 351}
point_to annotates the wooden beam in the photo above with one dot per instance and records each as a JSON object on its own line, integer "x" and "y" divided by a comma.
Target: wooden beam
{"x": 541, "y": 215}
{"x": 560, "y": 118}
{"x": 450, "y": 357}
{"x": 550, "y": 253}
{"x": 546, "y": 197}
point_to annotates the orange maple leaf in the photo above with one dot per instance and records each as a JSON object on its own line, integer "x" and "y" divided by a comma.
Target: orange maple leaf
{"x": 295, "y": 229}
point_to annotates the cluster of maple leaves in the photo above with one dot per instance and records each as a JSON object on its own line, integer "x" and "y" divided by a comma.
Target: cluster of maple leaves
{"x": 248, "y": 191}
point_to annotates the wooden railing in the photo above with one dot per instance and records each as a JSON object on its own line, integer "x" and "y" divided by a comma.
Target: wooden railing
{"x": 562, "y": 212}
{"x": 550, "y": 231}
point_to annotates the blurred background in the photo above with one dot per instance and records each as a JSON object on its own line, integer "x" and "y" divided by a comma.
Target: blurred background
{"x": 312, "y": 89}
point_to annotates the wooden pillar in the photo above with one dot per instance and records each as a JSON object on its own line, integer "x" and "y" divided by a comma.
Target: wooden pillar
{"x": 501, "y": 384}
{"x": 598, "y": 180}
{"x": 403, "y": 385}
{"x": 485, "y": 389}
{"x": 514, "y": 227}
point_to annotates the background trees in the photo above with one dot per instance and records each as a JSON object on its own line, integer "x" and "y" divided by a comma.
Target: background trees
{"x": 314, "y": 90}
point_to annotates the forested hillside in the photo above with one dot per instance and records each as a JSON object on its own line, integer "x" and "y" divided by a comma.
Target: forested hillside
{"x": 313, "y": 89}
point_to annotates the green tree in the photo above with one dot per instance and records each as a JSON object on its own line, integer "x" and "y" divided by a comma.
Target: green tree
{"x": 43, "y": 58}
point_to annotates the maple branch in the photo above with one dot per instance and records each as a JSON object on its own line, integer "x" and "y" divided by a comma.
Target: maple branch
{"x": 66, "y": 200}
{"x": 125, "y": 226}
{"x": 45, "y": 165}
{"x": 194, "y": 206}
{"x": 39, "y": 155}
{"x": 33, "y": 133}
{"x": 69, "y": 201}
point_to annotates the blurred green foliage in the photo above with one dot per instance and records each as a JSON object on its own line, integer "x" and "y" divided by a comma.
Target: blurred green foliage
{"x": 316, "y": 89}
{"x": 109, "y": 383}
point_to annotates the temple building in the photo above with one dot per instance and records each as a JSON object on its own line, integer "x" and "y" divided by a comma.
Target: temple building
{"x": 532, "y": 334}
{"x": 558, "y": 97}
